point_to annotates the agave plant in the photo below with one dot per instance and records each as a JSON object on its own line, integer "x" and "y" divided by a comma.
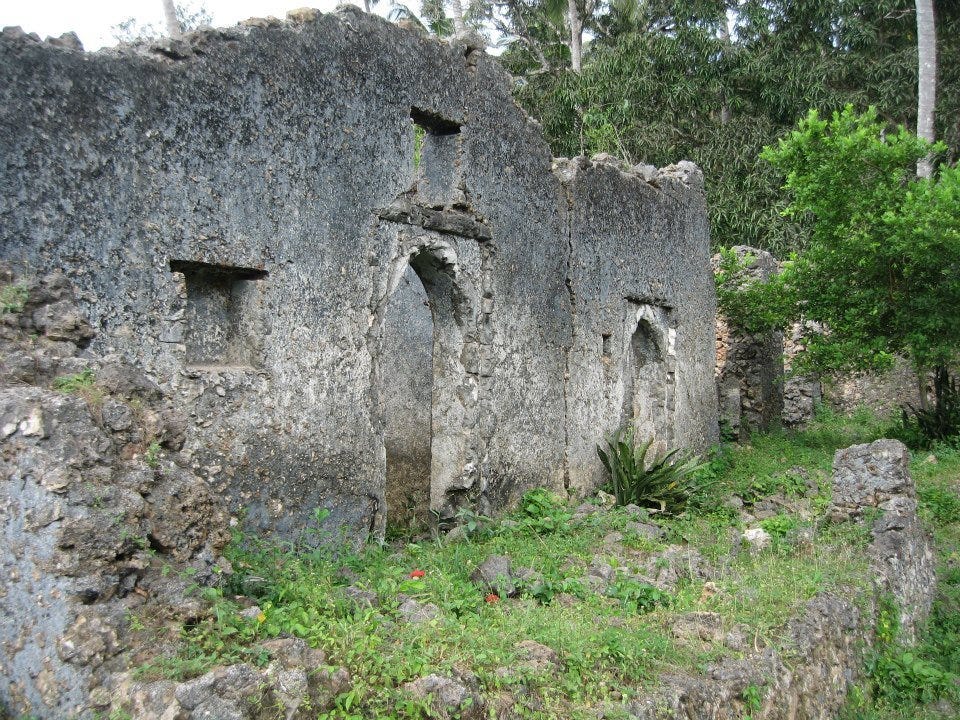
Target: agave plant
{"x": 664, "y": 482}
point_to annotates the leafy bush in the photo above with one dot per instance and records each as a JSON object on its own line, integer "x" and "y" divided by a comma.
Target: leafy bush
{"x": 638, "y": 597}
{"x": 542, "y": 513}
{"x": 779, "y": 525}
{"x": 665, "y": 483}
{"x": 900, "y": 676}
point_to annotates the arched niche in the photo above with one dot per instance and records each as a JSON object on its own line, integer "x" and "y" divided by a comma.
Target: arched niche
{"x": 648, "y": 376}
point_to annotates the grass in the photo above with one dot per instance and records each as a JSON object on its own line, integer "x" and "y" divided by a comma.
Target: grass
{"x": 612, "y": 645}
{"x": 82, "y": 384}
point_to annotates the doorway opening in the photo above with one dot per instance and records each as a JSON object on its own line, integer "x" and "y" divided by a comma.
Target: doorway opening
{"x": 421, "y": 339}
{"x": 408, "y": 401}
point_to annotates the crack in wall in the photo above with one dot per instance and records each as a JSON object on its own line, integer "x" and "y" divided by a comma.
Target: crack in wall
{"x": 572, "y": 300}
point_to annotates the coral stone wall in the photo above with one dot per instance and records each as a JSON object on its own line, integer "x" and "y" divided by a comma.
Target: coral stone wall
{"x": 237, "y": 211}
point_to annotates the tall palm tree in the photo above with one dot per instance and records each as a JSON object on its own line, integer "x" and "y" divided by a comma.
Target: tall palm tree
{"x": 927, "y": 84}
{"x": 174, "y": 28}
{"x": 456, "y": 11}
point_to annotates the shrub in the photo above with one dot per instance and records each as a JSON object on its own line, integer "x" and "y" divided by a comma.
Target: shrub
{"x": 920, "y": 427}
{"x": 638, "y": 597}
{"x": 779, "y": 526}
{"x": 665, "y": 482}
{"x": 900, "y": 675}
{"x": 542, "y": 513}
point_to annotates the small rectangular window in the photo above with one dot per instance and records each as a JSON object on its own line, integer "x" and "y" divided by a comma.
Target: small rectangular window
{"x": 436, "y": 156}
{"x": 222, "y": 314}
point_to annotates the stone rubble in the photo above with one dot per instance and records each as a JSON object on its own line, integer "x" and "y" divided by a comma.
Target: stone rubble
{"x": 823, "y": 657}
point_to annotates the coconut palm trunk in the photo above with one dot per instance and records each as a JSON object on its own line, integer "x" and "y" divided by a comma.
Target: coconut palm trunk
{"x": 456, "y": 10}
{"x": 174, "y": 28}
{"x": 927, "y": 84}
{"x": 575, "y": 21}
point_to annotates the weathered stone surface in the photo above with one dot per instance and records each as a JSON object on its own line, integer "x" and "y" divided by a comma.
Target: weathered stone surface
{"x": 415, "y": 612}
{"x": 494, "y": 576}
{"x": 884, "y": 392}
{"x": 85, "y": 522}
{"x": 801, "y": 393}
{"x": 902, "y": 558}
{"x": 449, "y": 698}
{"x": 704, "y": 626}
{"x": 236, "y": 209}
{"x": 296, "y": 685}
{"x": 813, "y": 684}
{"x": 676, "y": 563}
{"x": 866, "y": 476}
{"x": 757, "y": 540}
{"x": 536, "y": 657}
{"x": 876, "y": 476}
{"x": 647, "y": 530}
{"x": 358, "y": 598}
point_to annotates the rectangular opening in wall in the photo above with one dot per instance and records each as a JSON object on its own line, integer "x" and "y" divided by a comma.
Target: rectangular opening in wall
{"x": 436, "y": 156}
{"x": 222, "y": 314}
{"x": 434, "y": 123}
{"x": 605, "y": 344}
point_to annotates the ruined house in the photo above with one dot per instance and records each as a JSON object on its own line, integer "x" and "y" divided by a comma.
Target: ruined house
{"x": 352, "y": 259}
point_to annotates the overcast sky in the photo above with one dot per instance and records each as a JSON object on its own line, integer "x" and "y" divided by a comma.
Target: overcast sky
{"x": 92, "y": 19}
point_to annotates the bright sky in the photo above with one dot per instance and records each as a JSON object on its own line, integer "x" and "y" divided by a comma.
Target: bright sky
{"x": 92, "y": 19}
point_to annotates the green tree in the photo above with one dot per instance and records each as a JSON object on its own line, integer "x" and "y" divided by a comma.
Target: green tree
{"x": 880, "y": 275}
{"x": 665, "y": 80}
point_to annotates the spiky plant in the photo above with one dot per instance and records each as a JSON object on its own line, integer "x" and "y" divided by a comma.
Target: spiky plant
{"x": 664, "y": 483}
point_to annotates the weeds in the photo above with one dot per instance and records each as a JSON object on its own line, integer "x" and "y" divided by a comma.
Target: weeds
{"x": 76, "y": 383}
{"x": 13, "y": 298}
{"x": 152, "y": 456}
{"x": 638, "y": 597}
{"x": 900, "y": 676}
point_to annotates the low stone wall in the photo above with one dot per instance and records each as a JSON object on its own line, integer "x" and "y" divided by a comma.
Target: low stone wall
{"x": 812, "y": 674}
{"x": 884, "y": 393}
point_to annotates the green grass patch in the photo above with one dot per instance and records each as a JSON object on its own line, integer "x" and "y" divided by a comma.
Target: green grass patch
{"x": 75, "y": 383}
{"x": 613, "y": 642}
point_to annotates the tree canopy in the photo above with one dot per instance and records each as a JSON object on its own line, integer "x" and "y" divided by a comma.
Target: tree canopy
{"x": 714, "y": 81}
{"x": 881, "y": 273}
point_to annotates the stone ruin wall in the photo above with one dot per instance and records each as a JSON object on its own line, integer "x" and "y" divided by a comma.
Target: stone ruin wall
{"x": 756, "y": 386}
{"x": 749, "y": 368}
{"x": 243, "y": 219}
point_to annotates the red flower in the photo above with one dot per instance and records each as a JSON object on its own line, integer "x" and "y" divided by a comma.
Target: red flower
{"x": 492, "y": 598}
{"x": 417, "y": 574}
